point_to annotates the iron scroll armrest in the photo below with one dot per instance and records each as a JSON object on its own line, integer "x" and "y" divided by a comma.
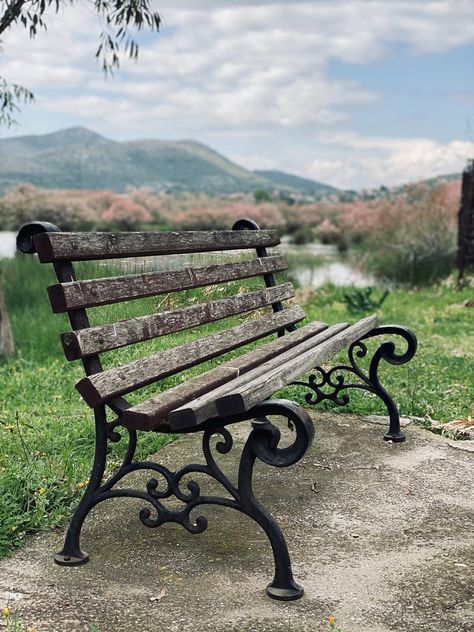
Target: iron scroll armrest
{"x": 330, "y": 384}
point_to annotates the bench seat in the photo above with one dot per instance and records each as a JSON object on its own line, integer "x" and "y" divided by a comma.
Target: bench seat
{"x": 239, "y": 384}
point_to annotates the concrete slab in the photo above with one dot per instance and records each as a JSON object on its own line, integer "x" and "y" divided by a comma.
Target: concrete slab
{"x": 381, "y": 536}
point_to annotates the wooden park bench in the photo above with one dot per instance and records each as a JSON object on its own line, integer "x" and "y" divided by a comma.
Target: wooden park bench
{"x": 233, "y": 389}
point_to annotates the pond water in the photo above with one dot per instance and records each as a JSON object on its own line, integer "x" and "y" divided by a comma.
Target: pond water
{"x": 315, "y": 264}
{"x": 335, "y": 272}
{"x": 7, "y": 243}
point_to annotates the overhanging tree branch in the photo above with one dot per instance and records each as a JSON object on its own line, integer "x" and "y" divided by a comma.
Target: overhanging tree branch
{"x": 119, "y": 18}
{"x": 10, "y": 95}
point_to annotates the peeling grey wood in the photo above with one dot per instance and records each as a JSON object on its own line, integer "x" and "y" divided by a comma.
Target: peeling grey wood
{"x": 95, "y": 292}
{"x": 85, "y": 342}
{"x": 205, "y": 407}
{"x": 100, "y": 387}
{"x": 84, "y": 246}
{"x": 251, "y": 392}
{"x": 153, "y": 412}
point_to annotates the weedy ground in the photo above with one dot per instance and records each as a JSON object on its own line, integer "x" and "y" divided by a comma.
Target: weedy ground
{"x": 46, "y": 430}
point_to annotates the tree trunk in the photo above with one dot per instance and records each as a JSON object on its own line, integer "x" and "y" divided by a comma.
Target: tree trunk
{"x": 7, "y": 345}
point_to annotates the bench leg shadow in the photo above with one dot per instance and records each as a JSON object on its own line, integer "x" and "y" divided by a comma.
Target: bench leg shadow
{"x": 262, "y": 443}
{"x": 330, "y": 384}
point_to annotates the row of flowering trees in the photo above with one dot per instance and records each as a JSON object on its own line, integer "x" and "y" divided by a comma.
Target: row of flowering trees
{"x": 71, "y": 209}
{"x": 406, "y": 237}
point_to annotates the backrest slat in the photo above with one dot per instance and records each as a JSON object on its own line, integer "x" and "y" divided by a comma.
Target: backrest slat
{"x": 78, "y": 294}
{"x": 85, "y": 342}
{"x": 87, "y": 246}
{"x": 101, "y": 387}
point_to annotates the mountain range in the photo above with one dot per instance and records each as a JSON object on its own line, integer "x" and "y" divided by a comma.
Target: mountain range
{"x": 81, "y": 159}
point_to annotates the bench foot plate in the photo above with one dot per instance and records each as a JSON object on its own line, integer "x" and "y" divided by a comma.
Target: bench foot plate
{"x": 71, "y": 560}
{"x": 396, "y": 437}
{"x": 285, "y": 594}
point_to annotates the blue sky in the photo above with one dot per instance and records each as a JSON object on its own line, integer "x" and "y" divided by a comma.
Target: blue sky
{"x": 355, "y": 93}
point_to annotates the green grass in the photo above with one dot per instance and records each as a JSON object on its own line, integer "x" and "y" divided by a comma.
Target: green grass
{"x": 46, "y": 430}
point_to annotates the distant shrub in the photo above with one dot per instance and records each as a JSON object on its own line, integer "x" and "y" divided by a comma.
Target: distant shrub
{"x": 410, "y": 238}
{"x": 125, "y": 214}
{"x": 303, "y": 235}
{"x": 260, "y": 195}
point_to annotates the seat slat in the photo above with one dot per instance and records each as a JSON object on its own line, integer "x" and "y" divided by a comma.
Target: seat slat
{"x": 100, "y": 387}
{"x": 86, "y": 342}
{"x": 85, "y": 246}
{"x": 203, "y": 408}
{"x": 246, "y": 393}
{"x": 78, "y": 294}
{"x": 150, "y": 414}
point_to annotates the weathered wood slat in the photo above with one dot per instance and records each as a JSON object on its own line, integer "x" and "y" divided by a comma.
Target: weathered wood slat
{"x": 115, "y": 289}
{"x": 85, "y": 246}
{"x": 276, "y": 375}
{"x": 205, "y": 407}
{"x": 152, "y": 413}
{"x": 86, "y": 342}
{"x": 100, "y": 387}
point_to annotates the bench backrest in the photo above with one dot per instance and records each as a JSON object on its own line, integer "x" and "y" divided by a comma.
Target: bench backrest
{"x": 87, "y": 342}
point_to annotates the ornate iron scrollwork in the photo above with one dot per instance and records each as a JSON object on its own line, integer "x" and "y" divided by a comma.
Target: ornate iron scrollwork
{"x": 330, "y": 384}
{"x": 262, "y": 443}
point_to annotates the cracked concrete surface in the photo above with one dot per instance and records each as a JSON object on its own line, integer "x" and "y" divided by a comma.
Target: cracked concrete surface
{"x": 381, "y": 536}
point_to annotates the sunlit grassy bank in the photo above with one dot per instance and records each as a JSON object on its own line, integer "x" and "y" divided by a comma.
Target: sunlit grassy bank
{"x": 46, "y": 431}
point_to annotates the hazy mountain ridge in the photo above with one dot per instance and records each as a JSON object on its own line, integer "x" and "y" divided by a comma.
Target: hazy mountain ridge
{"x": 288, "y": 180}
{"x": 79, "y": 158}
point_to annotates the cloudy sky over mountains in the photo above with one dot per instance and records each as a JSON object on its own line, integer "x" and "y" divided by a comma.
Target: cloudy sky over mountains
{"x": 352, "y": 93}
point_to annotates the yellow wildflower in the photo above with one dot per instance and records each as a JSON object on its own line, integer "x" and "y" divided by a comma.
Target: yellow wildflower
{"x": 332, "y": 620}
{"x": 6, "y": 612}
{"x": 42, "y": 490}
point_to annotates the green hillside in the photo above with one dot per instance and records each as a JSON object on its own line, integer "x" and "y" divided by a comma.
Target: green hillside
{"x": 79, "y": 158}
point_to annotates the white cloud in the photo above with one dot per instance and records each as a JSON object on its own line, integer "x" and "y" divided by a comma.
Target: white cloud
{"x": 370, "y": 162}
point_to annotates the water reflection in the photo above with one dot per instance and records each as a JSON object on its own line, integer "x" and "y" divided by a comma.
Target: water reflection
{"x": 335, "y": 272}
{"x": 7, "y": 243}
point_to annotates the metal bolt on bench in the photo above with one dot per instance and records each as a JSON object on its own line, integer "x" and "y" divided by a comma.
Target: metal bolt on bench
{"x": 234, "y": 390}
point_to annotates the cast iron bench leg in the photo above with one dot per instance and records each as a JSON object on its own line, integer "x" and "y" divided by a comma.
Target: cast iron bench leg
{"x": 328, "y": 384}
{"x": 262, "y": 443}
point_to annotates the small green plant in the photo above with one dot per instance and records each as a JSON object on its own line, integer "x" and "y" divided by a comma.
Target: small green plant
{"x": 332, "y": 624}
{"x": 13, "y": 623}
{"x": 361, "y": 300}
